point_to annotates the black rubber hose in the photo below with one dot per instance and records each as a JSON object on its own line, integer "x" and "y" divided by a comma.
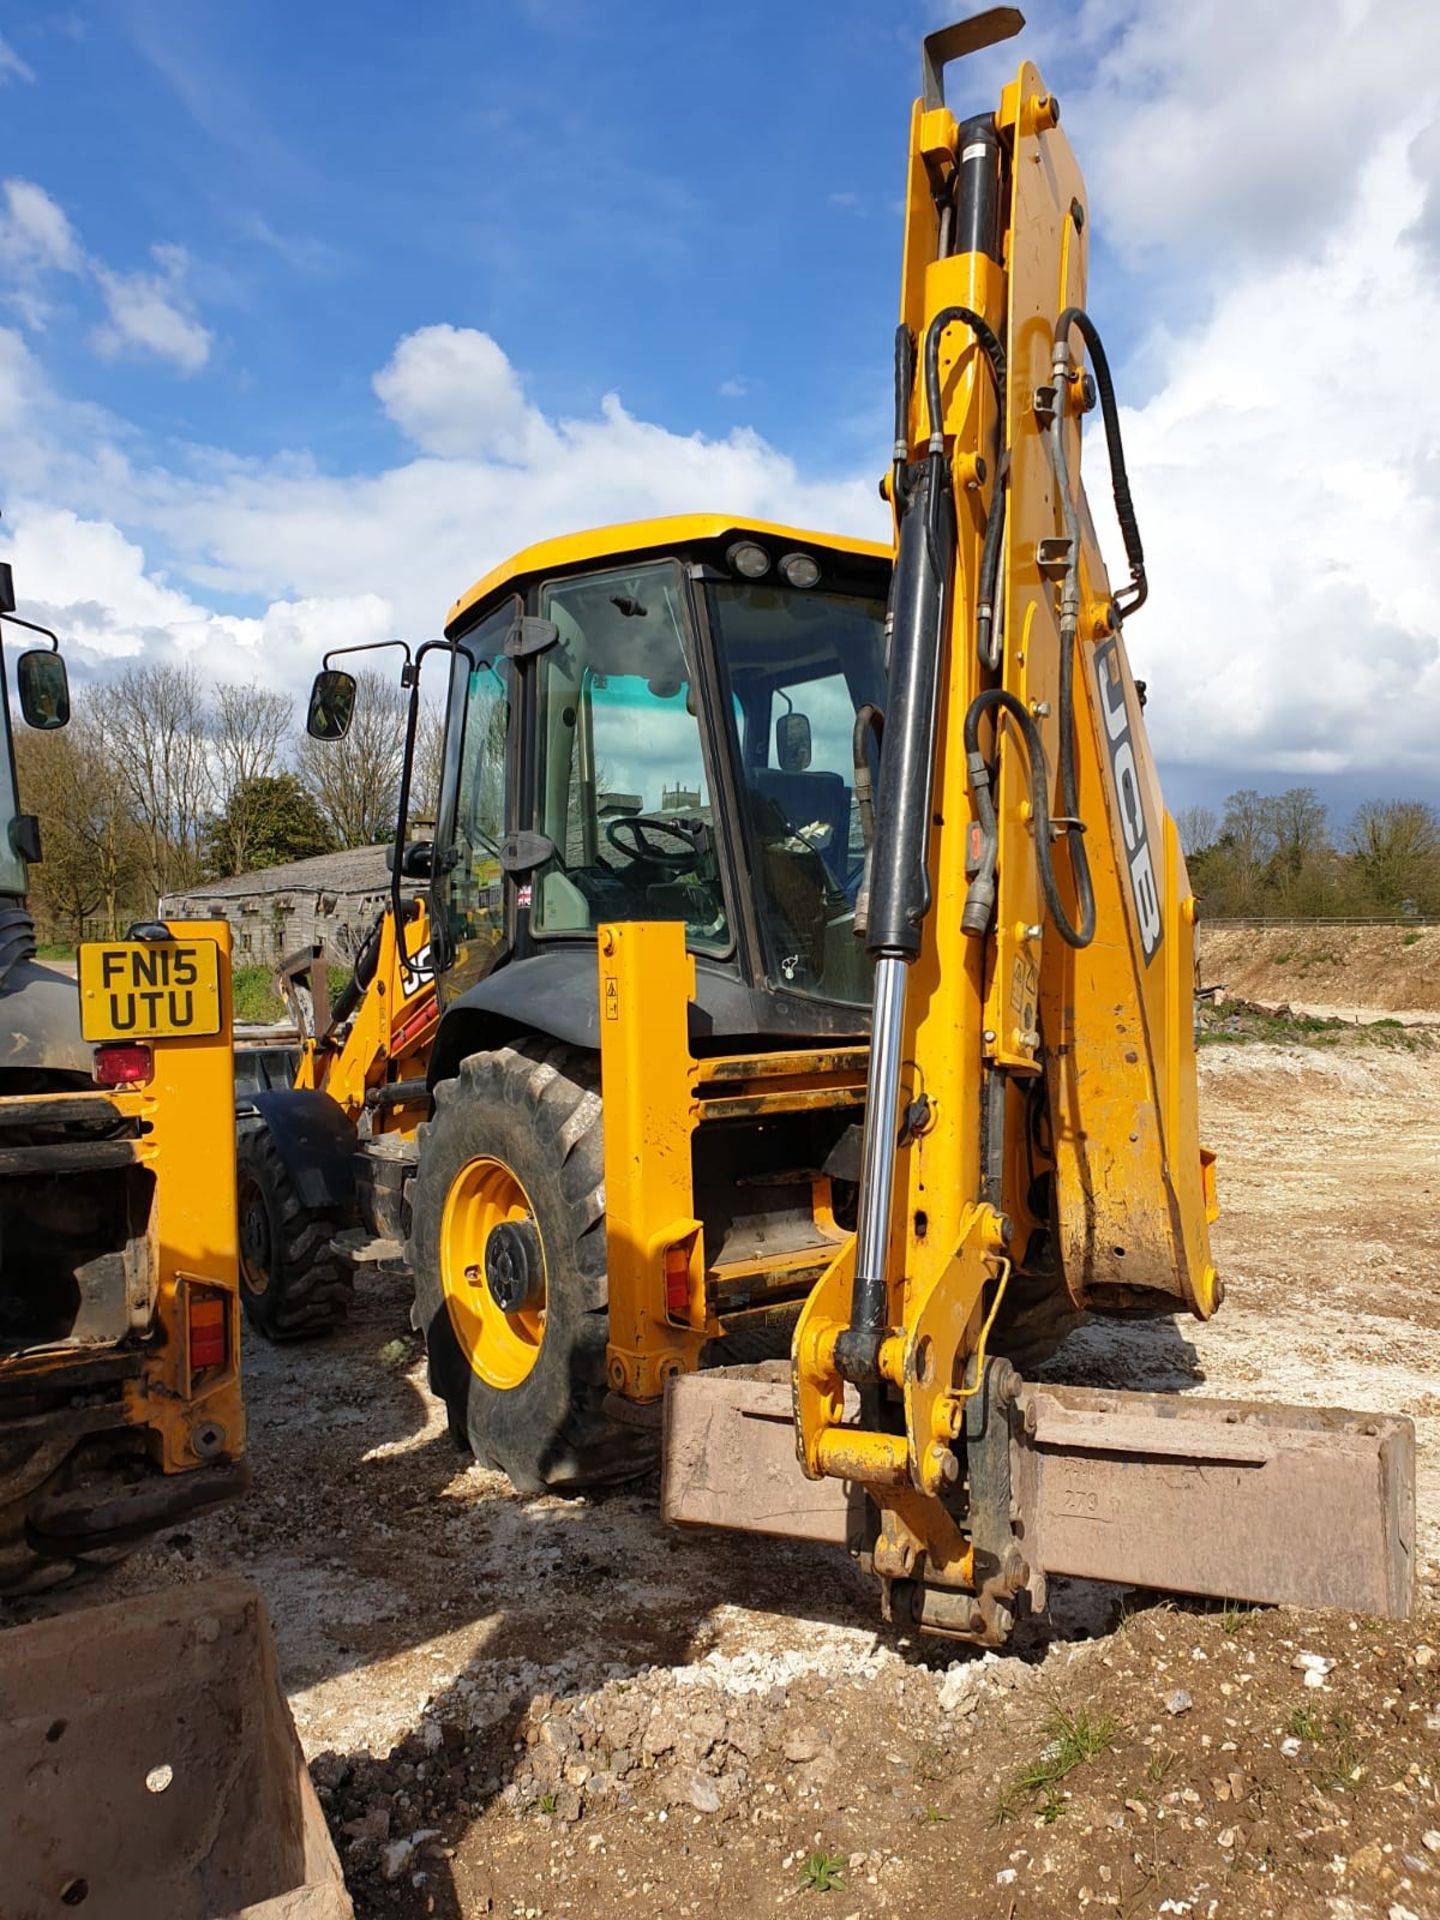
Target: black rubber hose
{"x": 904, "y": 387}
{"x": 980, "y": 785}
{"x": 991, "y": 347}
{"x": 1119, "y": 478}
{"x": 988, "y": 635}
{"x": 869, "y": 720}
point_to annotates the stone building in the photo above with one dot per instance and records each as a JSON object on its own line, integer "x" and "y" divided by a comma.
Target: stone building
{"x": 275, "y": 911}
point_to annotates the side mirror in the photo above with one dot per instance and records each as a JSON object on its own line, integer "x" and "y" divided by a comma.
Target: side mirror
{"x": 44, "y": 689}
{"x": 332, "y": 705}
{"x": 792, "y": 742}
{"x": 415, "y": 861}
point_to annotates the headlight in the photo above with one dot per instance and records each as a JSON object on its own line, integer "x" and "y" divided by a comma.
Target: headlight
{"x": 799, "y": 569}
{"x": 748, "y": 560}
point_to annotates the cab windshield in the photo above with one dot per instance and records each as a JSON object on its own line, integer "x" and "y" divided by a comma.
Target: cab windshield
{"x": 622, "y": 791}
{"x": 801, "y": 665}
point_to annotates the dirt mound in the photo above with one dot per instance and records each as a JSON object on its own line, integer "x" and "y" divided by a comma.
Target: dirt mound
{"x": 1395, "y": 969}
{"x": 555, "y": 1707}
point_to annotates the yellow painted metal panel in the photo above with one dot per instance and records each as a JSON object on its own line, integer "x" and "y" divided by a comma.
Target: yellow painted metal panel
{"x": 642, "y": 536}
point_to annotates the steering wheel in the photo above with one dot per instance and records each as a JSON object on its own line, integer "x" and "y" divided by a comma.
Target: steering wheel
{"x": 631, "y": 834}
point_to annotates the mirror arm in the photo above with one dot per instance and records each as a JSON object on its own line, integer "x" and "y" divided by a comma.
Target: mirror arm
{"x": 30, "y": 627}
{"x": 370, "y": 646}
{"x": 412, "y": 722}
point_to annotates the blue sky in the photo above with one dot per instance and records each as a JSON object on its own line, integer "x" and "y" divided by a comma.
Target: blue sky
{"x": 310, "y": 314}
{"x": 697, "y": 207}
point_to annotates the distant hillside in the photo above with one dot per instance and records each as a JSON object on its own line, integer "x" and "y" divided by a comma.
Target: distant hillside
{"x": 1395, "y": 969}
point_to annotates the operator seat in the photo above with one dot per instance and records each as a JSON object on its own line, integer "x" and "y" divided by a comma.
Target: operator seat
{"x": 815, "y": 808}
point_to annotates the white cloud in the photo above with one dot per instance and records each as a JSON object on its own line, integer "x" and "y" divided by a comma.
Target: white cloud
{"x": 735, "y": 388}
{"x": 20, "y": 379}
{"x": 1287, "y": 481}
{"x": 453, "y": 392}
{"x": 92, "y": 584}
{"x": 149, "y": 314}
{"x": 12, "y": 67}
{"x": 34, "y": 232}
{"x": 358, "y": 557}
{"x": 1209, "y": 129}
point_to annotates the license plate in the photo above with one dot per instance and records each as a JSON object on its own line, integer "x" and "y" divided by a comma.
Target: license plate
{"x": 149, "y": 989}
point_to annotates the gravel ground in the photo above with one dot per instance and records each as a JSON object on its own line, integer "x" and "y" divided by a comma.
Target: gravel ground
{"x": 534, "y": 1706}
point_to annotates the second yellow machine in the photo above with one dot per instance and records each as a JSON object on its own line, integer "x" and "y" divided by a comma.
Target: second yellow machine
{"x": 814, "y": 958}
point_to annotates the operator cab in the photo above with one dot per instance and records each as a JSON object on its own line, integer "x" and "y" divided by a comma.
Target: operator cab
{"x": 673, "y": 710}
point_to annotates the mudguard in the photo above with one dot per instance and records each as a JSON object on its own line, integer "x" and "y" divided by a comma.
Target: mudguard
{"x": 556, "y": 993}
{"x": 314, "y": 1138}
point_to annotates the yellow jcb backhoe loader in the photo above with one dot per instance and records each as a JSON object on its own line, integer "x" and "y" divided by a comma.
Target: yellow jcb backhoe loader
{"x": 321, "y": 1161}
{"x": 120, "y": 1406}
{"x": 810, "y": 939}
{"x": 148, "y": 1763}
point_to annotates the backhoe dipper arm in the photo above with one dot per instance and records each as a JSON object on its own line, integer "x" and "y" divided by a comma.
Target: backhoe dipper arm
{"x": 1032, "y": 1084}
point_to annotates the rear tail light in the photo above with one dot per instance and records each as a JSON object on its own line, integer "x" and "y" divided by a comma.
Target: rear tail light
{"x": 123, "y": 1065}
{"x": 677, "y": 1282}
{"x": 208, "y": 1341}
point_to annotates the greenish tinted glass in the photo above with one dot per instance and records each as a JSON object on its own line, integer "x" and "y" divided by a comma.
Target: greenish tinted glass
{"x": 801, "y": 665}
{"x": 622, "y": 790}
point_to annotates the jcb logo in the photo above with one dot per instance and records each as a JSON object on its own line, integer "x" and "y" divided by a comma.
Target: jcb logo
{"x": 1144, "y": 886}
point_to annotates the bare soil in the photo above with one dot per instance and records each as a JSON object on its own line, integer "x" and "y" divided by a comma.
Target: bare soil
{"x": 1355, "y": 972}
{"x": 531, "y": 1707}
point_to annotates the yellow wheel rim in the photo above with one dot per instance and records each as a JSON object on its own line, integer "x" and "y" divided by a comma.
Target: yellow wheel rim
{"x": 501, "y": 1347}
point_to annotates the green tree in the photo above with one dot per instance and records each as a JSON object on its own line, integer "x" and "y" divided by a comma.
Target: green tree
{"x": 96, "y": 854}
{"x": 1396, "y": 847}
{"x": 265, "y": 821}
{"x": 356, "y": 781}
{"x": 1297, "y": 822}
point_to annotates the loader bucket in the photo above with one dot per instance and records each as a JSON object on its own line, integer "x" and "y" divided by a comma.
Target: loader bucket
{"x": 149, "y": 1765}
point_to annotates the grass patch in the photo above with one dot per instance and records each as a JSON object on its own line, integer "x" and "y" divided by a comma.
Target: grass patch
{"x": 1239, "y": 1024}
{"x": 1409, "y": 939}
{"x": 54, "y": 950}
{"x": 1070, "y": 1740}
{"x": 256, "y": 1001}
{"x": 1335, "y": 1763}
{"x": 823, "y": 1872}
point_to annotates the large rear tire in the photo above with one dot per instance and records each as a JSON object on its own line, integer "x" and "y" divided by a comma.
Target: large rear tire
{"x": 508, "y": 1252}
{"x": 293, "y": 1283}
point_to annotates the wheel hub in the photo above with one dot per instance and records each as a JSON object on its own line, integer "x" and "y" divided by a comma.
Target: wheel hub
{"x": 492, "y": 1270}
{"x": 514, "y": 1268}
{"x": 255, "y": 1252}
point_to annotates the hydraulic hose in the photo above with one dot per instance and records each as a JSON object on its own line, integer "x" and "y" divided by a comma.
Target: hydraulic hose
{"x": 989, "y": 636}
{"x": 1119, "y": 478}
{"x": 904, "y": 386}
{"x": 869, "y": 723}
{"x": 980, "y": 900}
{"x": 990, "y": 345}
{"x": 1069, "y": 621}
